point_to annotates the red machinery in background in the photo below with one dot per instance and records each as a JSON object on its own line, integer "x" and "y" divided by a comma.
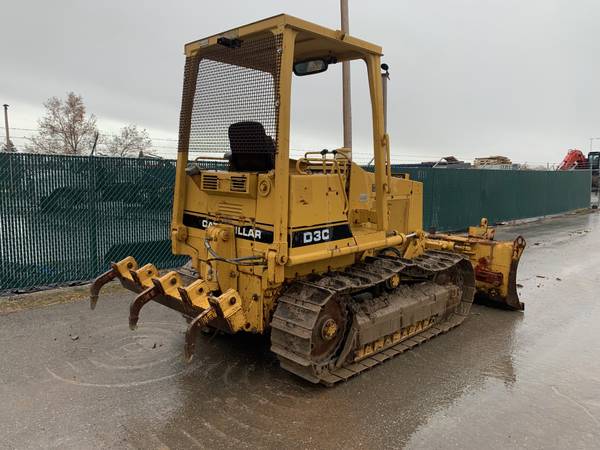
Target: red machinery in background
{"x": 575, "y": 159}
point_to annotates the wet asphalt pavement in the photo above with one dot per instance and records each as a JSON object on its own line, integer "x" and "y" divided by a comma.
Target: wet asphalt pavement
{"x": 71, "y": 378}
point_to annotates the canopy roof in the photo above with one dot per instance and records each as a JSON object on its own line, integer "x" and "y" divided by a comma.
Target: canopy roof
{"x": 312, "y": 41}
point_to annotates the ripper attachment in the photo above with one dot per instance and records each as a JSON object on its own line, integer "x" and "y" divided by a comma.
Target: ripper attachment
{"x": 200, "y": 300}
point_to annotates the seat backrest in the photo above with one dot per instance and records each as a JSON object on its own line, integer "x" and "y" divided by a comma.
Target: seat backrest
{"x": 252, "y": 150}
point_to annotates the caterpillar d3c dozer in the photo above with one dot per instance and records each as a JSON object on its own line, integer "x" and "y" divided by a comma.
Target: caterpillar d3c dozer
{"x": 329, "y": 258}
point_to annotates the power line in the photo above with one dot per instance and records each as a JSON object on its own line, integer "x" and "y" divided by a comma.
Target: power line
{"x": 359, "y": 155}
{"x": 58, "y": 140}
{"x": 397, "y": 156}
{"x": 34, "y": 130}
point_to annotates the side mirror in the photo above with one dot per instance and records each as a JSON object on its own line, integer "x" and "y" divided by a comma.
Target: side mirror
{"x": 310, "y": 67}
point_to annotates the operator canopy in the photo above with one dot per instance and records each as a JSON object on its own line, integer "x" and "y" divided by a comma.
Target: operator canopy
{"x": 313, "y": 42}
{"x": 232, "y": 86}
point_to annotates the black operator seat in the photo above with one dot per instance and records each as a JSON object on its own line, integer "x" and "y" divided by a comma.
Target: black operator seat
{"x": 252, "y": 150}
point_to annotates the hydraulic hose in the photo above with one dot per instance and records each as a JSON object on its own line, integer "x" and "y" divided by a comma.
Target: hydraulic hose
{"x": 241, "y": 261}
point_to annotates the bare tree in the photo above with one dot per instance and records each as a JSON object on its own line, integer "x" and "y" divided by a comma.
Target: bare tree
{"x": 65, "y": 128}
{"x": 130, "y": 141}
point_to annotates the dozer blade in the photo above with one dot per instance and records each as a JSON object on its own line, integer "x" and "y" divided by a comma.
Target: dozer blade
{"x": 495, "y": 263}
{"x": 496, "y": 276}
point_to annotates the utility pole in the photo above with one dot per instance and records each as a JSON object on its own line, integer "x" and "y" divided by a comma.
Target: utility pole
{"x": 8, "y": 144}
{"x": 347, "y": 100}
{"x": 96, "y": 136}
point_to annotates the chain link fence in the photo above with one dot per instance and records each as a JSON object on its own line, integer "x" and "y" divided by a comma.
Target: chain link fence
{"x": 63, "y": 219}
{"x": 453, "y": 199}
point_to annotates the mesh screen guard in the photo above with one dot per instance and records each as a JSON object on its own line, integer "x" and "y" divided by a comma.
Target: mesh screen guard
{"x": 231, "y": 98}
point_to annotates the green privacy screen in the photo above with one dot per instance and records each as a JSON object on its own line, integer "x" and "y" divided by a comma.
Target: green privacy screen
{"x": 65, "y": 218}
{"x": 453, "y": 199}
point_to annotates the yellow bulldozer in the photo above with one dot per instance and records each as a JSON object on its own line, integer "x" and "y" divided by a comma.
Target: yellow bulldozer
{"x": 328, "y": 259}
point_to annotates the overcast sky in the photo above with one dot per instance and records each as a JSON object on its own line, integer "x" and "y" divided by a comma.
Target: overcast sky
{"x": 469, "y": 78}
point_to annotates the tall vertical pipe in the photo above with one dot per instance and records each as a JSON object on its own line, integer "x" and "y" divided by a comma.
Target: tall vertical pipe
{"x": 8, "y": 146}
{"x": 347, "y": 100}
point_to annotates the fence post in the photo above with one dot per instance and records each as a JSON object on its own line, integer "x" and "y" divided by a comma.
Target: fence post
{"x": 10, "y": 168}
{"x": 93, "y": 204}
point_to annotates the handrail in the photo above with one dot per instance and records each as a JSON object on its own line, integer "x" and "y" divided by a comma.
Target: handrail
{"x": 324, "y": 163}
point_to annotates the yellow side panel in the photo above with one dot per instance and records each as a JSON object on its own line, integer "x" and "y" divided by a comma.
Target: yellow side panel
{"x": 398, "y": 210}
{"x": 195, "y": 198}
{"x": 362, "y": 189}
{"x": 265, "y": 211}
{"x": 415, "y": 216}
{"x": 316, "y": 199}
{"x": 250, "y": 290}
{"x": 406, "y": 205}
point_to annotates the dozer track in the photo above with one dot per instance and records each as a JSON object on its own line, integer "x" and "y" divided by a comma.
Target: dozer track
{"x": 343, "y": 323}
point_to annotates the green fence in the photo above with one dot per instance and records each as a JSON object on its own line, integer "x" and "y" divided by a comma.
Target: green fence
{"x": 453, "y": 199}
{"x": 63, "y": 219}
